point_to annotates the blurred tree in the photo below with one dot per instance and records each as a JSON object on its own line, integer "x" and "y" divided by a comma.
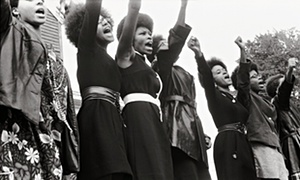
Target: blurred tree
{"x": 271, "y": 51}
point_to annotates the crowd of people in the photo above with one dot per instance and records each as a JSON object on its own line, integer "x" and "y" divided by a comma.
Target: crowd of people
{"x": 138, "y": 118}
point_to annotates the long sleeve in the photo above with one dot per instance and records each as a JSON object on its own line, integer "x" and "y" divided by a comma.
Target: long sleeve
{"x": 208, "y": 84}
{"x": 88, "y": 33}
{"x": 167, "y": 58}
{"x": 243, "y": 84}
{"x": 176, "y": 41}
{"x": 6, "y": 17}
{"x": 284, "y": 94}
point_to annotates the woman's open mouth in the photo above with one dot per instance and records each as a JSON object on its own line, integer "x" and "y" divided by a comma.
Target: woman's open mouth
{"x": 40, "y": 11}
{"x": 107, "y": 30}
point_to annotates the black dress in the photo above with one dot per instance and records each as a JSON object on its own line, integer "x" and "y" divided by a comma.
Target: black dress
{"x": 148, "y": 147}
{"x": 183, "y": 125}
{"x": 232, "y": 152}
{"x": 102, "y": 148}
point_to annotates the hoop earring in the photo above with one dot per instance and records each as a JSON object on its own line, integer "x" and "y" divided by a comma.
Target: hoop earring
{"x": 15, "y": 12}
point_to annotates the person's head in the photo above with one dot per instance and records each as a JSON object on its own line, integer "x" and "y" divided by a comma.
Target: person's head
{"x": 219, "y": 72}
{"x": 74, "y": 21}
{"x": 32, "y": 12}
{"x": 159, "y": 43}
{"x": 142, "y": 41}
{"x": 257, "y": 84}
{"x": 273, "y": 83}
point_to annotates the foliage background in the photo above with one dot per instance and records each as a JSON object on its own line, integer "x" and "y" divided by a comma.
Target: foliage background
{"x": 271, "y": 51}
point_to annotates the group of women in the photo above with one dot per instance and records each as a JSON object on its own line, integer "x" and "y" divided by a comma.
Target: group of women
{"x": 248, "y": 144}
{"x": 157, "y": 134}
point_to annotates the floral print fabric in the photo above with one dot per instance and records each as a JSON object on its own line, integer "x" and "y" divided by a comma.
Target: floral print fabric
{"x": 28, "y": 151}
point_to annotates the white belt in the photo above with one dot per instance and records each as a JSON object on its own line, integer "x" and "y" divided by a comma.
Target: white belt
{"x": 134, "y": 97}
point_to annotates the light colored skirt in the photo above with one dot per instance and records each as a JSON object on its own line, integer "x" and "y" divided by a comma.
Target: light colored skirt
{"x": 269, "y": 162}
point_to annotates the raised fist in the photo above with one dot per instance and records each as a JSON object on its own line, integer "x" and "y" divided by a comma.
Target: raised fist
{"x": 240, "y": 42}
{"x": 194, "y": 44}
{"x": 292, "y": 62}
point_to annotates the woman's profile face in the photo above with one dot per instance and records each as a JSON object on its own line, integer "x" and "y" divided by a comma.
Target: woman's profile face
{"x": 143, "y": 40}
{"x": 104, "y": 31}
{"x": 221, "y": 76}
{"x": 256, "y": 81}
{"x": 32, "y": 11}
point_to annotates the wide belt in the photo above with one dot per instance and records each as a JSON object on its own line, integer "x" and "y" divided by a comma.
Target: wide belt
{"x": 143, "y": 97}
{"x": 239, "y": 127}
{"x": 183, "y": 99}
{"x": 103, "y": 93}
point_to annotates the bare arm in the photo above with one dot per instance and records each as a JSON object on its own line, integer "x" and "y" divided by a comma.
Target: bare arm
{"x": 176, "y": 41}
{"x": 125, "y": 50}
{"x": 182, "y": 13}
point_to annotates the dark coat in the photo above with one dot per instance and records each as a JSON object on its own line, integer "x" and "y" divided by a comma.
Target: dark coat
{"x": 226, "y": 109}
{"x": 261, "y": 124}
{"x": 22, "y": 65}
{"x": 22, "y": 73}
{"x": 183, "y": 125}
{"x": 288, "y": 126}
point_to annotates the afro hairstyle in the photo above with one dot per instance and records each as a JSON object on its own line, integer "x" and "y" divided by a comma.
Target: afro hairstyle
{"x": 215, "y": 61}
{"x": 253, "y": 66}
{"x": 14, "y": 3}
{"x": 144, "y": 20}
{"x": 272, "y": 84}
{"x": 74, "y": 21}
{"x": 156, "y": 40}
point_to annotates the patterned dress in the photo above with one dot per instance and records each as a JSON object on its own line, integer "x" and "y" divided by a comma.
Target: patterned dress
{"x": 32, "y": 152}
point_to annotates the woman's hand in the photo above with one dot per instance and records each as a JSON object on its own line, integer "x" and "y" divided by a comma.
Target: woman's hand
{"x": 240, "y": 43}
{"x": 135, "y": 4}
{"x": 194, "y": 45}
{"x": 292, "y": 63}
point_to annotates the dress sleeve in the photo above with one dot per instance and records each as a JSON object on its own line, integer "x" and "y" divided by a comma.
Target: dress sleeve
{"x": 208, "y": 83}
{"x": 6, "y": 17}
{"x": 243, "y": 84}
{"x": 284, "y": 94}
{"x": 87, "y": 36}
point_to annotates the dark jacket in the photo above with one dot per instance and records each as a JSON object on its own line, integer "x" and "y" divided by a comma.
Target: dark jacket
{"x": 261, "y": 124}
{"x": 22, "y": 65}
{"x": 288, "y": 126}
{"x": 183, "y": 125}
{"x": 22, "y": 72}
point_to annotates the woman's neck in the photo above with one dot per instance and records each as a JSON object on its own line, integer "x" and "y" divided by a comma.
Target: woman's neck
{"x": 36, "y": 29}
{"x": 225, "y": 89}
{"x": 102, "y": 45}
